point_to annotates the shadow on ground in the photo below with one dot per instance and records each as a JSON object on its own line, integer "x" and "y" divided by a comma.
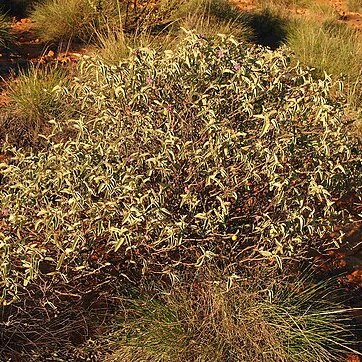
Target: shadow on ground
{"x": 269, "y": 29}
{"x": 17, "y": 8}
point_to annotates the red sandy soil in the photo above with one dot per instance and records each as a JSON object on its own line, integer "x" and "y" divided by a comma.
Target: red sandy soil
{"x": 352, "y": 19}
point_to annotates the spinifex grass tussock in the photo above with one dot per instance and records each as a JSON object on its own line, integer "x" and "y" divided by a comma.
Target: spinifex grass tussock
{"x": 209, "y": 26}
{"x": 208, "y": 17}
{"x": 221, "y": 9}
{"x": 112, "y": 45}
{"x": 160, "y": 28}
{"x": 217, "y": 150}
{"x": 73, "y": 19}
{"x": 270, "y": 319}
{"x": 323, "y": 10}
{"x": 34, "y": 100}
{"x": 332, "y": 47}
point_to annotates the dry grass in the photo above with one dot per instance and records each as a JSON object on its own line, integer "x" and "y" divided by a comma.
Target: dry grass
{"x": 34, "y": 100}
{"x": 111, "y": 45}
{"x": 208, "y": 17}
{"x": 73, "y": 19}
{"x": 332, "y": 47}
{"x": 205, "y": 321}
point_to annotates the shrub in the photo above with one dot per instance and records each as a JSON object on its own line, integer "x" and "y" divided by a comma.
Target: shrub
{"x": 217, "y": 150}
{"x": 289, "y": 320}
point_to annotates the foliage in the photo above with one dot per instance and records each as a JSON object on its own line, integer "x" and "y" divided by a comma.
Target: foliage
{"x": 112, "y": 45}
{"x": 256, "y": 319}
{"x": 220, "y": 9}
{"x": 162, "y": 29}
{"x": 209, "y": 26}
{"x": 217, "y": 150}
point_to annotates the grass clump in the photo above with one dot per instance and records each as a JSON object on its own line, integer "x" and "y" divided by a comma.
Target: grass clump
{"x": 215, "y": 150}
{"x": 34, "y": 100}
{"x": 209, "y": 26}
{"x": 334, "y": 48}
{"x": 72, "y": 19}
{"x": 112, "y": 45}
{"x": 286, "y": 321}
{"x": 208, "y": 17}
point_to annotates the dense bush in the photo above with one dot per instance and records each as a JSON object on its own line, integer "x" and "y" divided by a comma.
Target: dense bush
{"x": 215, "y": 150}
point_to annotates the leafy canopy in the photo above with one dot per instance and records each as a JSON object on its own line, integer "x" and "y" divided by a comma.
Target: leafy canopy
{"x": 216, "y": 150}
